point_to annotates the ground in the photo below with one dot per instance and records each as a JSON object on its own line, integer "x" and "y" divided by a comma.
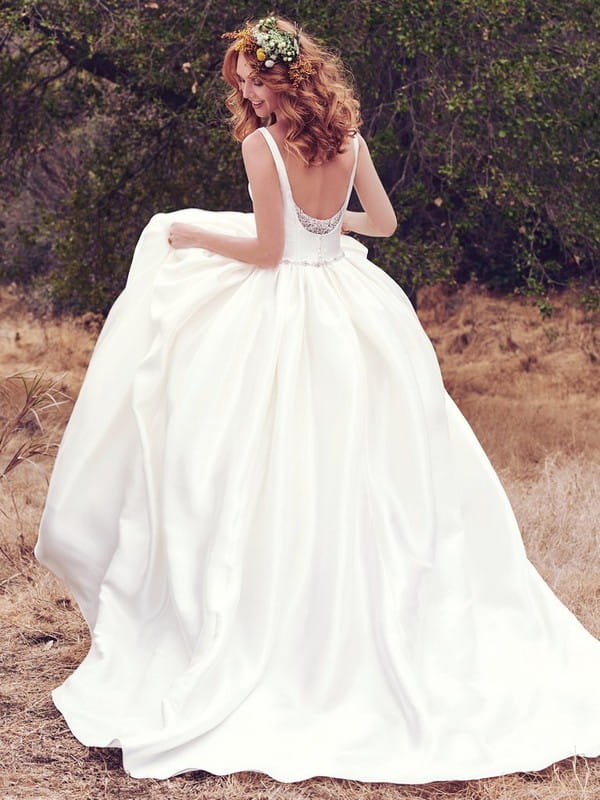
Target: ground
{"x": 528, "y": 385}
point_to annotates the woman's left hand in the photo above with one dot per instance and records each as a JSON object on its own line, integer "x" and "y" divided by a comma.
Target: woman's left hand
{"x": 182, "y": 235}
{"x": 346, "y": 224}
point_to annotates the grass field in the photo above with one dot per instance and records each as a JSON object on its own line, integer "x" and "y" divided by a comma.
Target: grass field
{"x": 529, "y": 387}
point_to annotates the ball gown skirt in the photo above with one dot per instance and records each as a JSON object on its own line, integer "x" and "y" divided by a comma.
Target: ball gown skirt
{"x": 291, "y": 551}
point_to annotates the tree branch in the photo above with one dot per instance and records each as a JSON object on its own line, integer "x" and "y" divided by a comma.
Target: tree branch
{"x": 101, "y": 65}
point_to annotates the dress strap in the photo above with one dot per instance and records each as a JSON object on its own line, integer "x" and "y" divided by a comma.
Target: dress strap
{"x": 355, "y": 144}
{"x": 278, "y": 159}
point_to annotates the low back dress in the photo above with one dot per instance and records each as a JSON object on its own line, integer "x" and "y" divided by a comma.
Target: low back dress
{"x": 291, "y": 551}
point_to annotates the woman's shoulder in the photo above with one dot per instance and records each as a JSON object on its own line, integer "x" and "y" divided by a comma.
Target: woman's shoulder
{"x": 350, "y": 140}
{"x": 360, "y": 139}
{"x": 257, "y": 156}
{"x": 363, "y": 152}
{"x": 254, "y": 143}
{"x": 353, "y": 143}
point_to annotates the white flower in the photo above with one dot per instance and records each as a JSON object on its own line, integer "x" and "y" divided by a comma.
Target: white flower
{"x": 269, "y": 63}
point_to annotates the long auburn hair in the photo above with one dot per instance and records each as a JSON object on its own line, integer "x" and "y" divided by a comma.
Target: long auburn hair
{"x": 322, "y": 111}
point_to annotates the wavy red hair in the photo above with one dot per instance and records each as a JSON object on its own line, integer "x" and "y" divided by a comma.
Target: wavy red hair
{"x": 322, "y": 111}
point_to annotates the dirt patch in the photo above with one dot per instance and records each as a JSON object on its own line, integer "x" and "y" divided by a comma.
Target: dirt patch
{"x": 530, "y": 389}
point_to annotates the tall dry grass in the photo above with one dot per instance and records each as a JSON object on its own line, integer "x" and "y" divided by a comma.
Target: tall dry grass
{"x": 530, "y": 389}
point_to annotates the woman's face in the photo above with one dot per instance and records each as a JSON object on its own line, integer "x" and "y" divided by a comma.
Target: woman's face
{"x": 263, "y": 99}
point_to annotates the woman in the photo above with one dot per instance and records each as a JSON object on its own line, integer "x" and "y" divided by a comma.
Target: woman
{"x": 290, "y": 549}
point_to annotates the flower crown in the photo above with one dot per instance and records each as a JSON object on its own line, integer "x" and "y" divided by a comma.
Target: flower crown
{"x": 268, "y": 44}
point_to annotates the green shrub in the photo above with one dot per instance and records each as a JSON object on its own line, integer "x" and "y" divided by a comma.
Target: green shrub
{"x": 481, "y": 116}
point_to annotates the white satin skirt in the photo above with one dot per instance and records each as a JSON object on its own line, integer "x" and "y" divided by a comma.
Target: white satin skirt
{"x": 290, "y": 549}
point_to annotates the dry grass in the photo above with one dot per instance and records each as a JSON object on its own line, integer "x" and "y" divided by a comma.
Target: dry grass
{"x": 530, "y": 389}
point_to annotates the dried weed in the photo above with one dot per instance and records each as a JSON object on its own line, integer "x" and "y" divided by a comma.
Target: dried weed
{"x": 547, "y": 459}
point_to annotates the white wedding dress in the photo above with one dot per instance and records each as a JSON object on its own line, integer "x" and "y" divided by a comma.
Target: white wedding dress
{"x": 291, "y": 551}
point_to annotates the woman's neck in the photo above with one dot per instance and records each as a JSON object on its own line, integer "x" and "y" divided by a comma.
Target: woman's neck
{"x": 277, "y": 125}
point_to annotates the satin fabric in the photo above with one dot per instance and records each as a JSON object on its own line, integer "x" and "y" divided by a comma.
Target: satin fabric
{"x": 290, "y": 549}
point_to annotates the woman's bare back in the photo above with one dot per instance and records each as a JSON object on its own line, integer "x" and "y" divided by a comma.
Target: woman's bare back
{"x": 320, "y": 191}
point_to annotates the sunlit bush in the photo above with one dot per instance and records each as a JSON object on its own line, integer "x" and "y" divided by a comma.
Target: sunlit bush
{"x": 481, "y": 116}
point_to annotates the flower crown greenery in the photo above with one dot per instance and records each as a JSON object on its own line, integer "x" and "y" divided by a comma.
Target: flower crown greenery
{"x": 268, "y": 44}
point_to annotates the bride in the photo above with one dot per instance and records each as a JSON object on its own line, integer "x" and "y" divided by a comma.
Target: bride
{"x": 290, "y": 549}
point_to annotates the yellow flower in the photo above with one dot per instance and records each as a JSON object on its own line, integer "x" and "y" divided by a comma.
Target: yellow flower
{"x": 260, "y": 54}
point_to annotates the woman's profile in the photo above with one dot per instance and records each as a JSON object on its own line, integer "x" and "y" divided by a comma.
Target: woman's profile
{"x": 290, "y": 549}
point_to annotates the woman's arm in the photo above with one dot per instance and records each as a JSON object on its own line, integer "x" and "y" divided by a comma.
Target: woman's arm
{"x": 266, "y": 248}
{"x": 378, "y": 217}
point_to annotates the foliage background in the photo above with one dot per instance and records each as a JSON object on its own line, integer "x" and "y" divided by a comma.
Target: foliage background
{"x": 482, "y": 118}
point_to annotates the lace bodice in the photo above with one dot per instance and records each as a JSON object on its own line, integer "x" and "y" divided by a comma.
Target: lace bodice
{"x": 308, "y": 240}
{"x": 316, "y": 225}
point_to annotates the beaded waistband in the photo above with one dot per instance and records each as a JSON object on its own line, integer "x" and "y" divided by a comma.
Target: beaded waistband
{"x": 318, "y": 262}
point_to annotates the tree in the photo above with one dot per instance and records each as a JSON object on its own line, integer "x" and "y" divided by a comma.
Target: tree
{"x": 481, "y": 117}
